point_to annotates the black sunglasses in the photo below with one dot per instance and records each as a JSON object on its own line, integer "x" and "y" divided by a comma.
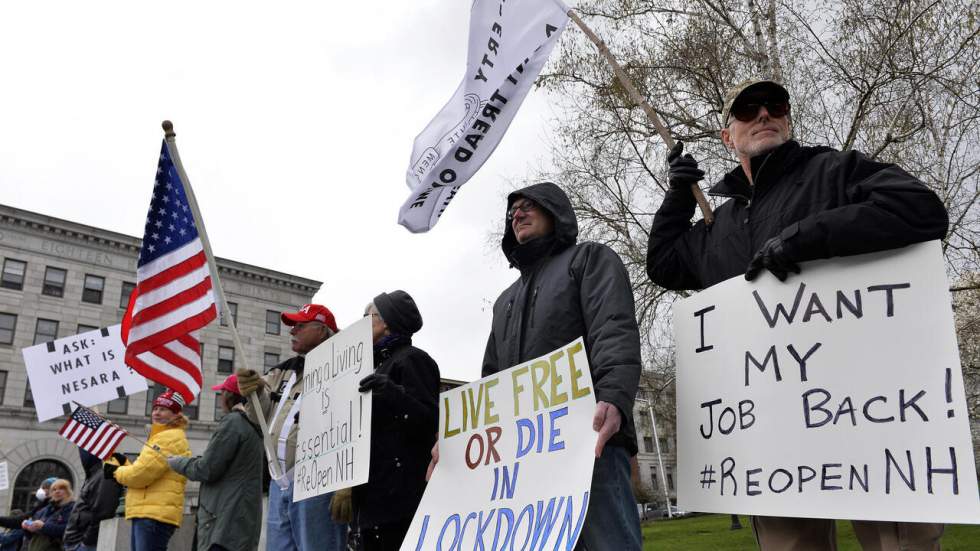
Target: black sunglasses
{"x": 747, "y": 112}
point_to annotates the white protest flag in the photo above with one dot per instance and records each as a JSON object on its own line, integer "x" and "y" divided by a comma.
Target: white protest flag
{"x": 835, "y": 394}
{"x": 509, "y": 43}
{"x": 516, "y": 452}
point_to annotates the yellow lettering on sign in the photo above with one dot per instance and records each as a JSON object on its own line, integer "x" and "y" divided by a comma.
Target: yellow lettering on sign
{"x": 576, "y": 374}
{"x": 489, "y": 417}
{"x": 447, "y": 432}
{"x": 556, "y": 397}
{"x": 518, "y": 388}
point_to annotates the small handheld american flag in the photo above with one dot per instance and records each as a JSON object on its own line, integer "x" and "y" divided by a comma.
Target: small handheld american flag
{"x": 92, "y": 432}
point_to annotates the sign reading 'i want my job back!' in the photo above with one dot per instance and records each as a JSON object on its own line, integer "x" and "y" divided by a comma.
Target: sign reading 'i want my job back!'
{"x": 835, "y": 394}
{"x": 516, "y": 451}
{"x": 334, "y": 446}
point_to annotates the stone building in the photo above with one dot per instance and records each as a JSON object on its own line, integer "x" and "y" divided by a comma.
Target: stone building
{"x": 655, "y": 477}
{"x": 60, "y": 278}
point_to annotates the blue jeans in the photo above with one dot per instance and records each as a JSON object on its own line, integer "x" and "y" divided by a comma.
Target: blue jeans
{"x": 612, "y": 521}
{"x": 302, "y": 526}
{"x": 150, "y": 535}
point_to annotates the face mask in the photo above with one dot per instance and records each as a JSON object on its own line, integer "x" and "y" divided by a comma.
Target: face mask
{"x": 40, "y": 494}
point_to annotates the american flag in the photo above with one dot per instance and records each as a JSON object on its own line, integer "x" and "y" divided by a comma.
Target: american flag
{"x": 173, "y": 298}
{"x": 91, "y": 432}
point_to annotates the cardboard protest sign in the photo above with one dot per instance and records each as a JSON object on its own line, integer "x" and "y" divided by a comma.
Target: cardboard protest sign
{"x": 836, "y": 394}
{"x": 334, "y": 446}
{"x": 516, "y": 451}
{"x": 87, "y": 368}
{"x": 508, "y": 45}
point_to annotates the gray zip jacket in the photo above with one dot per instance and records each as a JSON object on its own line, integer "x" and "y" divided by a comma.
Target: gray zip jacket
{"x": 568, "y": 290}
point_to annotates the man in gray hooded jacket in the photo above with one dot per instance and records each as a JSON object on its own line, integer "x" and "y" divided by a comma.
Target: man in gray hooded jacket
{"x": 568, "y": 290}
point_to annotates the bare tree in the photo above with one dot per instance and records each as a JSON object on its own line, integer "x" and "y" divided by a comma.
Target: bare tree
{"x": 896, "y": 80}
{"x": 966, "y": 309}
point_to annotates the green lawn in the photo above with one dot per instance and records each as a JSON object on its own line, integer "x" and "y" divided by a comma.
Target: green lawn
{"x": 714, "y": 532}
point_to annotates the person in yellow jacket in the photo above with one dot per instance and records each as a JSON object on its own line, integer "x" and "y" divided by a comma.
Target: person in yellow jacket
{"x": 155, "y": 493}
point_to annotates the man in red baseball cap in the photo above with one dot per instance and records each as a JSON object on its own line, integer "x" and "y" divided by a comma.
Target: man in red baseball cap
{"x": 305, "y": 524}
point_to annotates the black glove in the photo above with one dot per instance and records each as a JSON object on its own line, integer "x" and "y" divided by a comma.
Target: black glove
{"x": 682, "y": 171}
{"x": 775, "y": 257}
{"x": 109, "y": 471}
{"x": 378, "y": 382}
{"x": 122, "y": 459}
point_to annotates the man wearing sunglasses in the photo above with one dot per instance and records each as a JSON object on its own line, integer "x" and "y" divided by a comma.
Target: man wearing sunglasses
{"x": 787, "y": 204}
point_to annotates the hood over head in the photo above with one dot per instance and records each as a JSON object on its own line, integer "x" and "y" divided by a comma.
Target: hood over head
{"x": 90, "y": 462}
{"x": 552, "y": 199}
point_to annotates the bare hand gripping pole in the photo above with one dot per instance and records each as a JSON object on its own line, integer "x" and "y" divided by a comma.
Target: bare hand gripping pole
{"x": 638, "y": 99}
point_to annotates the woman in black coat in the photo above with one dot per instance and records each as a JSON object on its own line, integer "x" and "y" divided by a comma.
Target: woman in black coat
{"x": 404, "y": 422}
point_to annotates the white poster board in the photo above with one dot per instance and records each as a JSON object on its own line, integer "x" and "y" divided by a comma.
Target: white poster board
{"x": 516, "y": 451}
{"x": 334, "y": 446}
{"x": 4, "y": 477}
{"x": 87, "y": 368}
{"x": 835, "y": 394}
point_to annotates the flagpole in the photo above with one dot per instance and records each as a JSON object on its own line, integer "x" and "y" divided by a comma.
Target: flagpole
{"x": 639, "y": 100}
{"x": 170, "y": 137}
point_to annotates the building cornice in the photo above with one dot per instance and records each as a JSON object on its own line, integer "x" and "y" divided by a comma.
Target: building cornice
{"x": 129, "y": 245}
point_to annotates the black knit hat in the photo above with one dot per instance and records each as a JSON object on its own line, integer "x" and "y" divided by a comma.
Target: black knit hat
{"x": 399, "y": 312}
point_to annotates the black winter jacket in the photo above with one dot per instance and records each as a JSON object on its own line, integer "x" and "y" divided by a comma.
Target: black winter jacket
{"x": 96, "y": 501}
{"x": 404, "y": 423}
{"x": 821, "y": 201}
{"x": 565, "y": 291}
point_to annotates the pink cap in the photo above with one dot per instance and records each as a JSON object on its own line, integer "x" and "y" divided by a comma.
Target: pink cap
{"x": 230, "y": 384}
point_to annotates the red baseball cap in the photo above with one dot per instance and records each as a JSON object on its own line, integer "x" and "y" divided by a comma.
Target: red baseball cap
{"x": 311, "y": 312}
{"x": 230, "y": 384}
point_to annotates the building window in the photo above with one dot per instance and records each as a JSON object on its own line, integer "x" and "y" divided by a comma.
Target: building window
{"x": 663, "y": 445}
{"x": 270, "y": 360}
{"x": 3, "y": 384}
{"x": 233, "y": 308}
{"x": 28, "y": 396}
{"x": 226, "y": 359}
{"x": 272, "y": 322}
{"x": 54, "y": 282}
{"x": 92, "y": 290}
{"x": 647, "y": 444}
{"x": 13, "y": 274}
{"x": 119, "y": 405}
{"x": 218, "y": 411}
{"x": 82, "y": 328}
{"x": 45, "y": 331}
{"x": 31, "y": 476}
{"x": 190, "y": 410}
{"x": 157, "y": 389}
{"x": 127, "y": 289}
{"x": 654, "y": 481}
{"x": 8, "y": 324}
{"x": 670, "y": 480}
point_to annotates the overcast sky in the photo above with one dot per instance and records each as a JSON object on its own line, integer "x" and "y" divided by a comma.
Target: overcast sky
{"x": 294, "y": 121}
